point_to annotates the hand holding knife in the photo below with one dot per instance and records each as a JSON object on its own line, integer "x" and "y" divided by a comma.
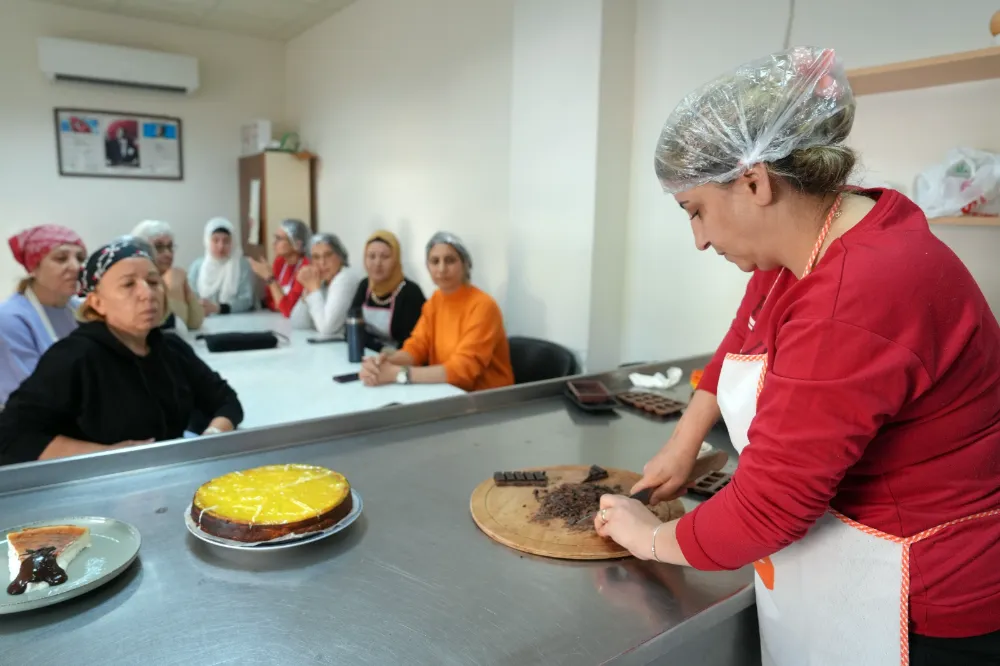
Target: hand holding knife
{"x": 643, "y": 496}
{"x": 702, "y": 466}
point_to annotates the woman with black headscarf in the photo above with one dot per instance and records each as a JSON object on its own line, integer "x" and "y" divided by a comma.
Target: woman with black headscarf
{"x": 117, "y": 380}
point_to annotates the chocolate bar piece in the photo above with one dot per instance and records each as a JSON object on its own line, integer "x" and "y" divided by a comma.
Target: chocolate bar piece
{"x": 521, "y": 478}
{"x": 596, "y": 474}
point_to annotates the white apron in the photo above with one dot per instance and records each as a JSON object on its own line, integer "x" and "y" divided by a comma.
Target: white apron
{"x": 285, "y": 288}
{"x": 36, "y": 304}
{"x": 378, "y": 321}
{"x": 840, "y": 595}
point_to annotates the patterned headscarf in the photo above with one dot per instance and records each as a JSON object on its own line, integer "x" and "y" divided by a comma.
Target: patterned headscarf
{"x": 30, "y": 246}
{"x": 104, "y": 258}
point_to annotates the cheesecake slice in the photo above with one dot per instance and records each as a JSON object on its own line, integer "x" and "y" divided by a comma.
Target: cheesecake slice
{"x": 271, "y": 502}
{"x": 39, "y": 556}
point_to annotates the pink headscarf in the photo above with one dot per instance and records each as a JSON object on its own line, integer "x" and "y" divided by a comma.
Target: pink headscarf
{"x": 31, "y": 246}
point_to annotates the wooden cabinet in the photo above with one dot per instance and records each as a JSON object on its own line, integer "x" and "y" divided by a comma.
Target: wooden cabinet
{"x": 285, "y": 189}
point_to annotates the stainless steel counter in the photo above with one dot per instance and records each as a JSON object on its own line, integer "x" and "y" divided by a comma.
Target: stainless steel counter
{"x": 412, "y": 582}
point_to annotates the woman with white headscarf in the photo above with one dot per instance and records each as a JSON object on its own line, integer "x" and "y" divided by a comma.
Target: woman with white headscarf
{"x": 182, "y": 299}
{"x": 222, "y": 278}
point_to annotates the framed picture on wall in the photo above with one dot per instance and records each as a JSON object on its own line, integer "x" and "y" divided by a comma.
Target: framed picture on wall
{"x": 115, "y": 144}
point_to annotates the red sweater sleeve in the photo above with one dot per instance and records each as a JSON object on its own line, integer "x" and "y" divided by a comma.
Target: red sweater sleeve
{"x": 831, "y": 387}
{"x": 757, "y": 289}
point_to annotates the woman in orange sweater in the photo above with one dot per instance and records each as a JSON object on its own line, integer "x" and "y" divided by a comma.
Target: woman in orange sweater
{"x": 459, "y": 338}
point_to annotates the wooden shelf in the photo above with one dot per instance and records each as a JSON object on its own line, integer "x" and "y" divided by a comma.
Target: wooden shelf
{"x": 928, "y": 72}
{"x": 968, "y": 221}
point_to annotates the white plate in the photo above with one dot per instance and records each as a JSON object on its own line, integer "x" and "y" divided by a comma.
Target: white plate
{"x": 113, "y": 546}
{"x": 284, "y": 542}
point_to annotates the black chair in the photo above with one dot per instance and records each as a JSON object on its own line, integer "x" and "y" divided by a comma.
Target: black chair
{"x": 536, "y": 360}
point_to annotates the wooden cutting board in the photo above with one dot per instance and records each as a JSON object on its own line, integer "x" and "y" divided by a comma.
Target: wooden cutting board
{"x": 504, "y": 514}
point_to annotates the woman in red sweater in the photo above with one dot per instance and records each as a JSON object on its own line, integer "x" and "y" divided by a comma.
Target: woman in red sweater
{"x": 860, "y": 382}
{"x": 281, "y": 279}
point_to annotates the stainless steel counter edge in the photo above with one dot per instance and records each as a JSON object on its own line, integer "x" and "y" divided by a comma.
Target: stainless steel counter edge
{"x": 39, "y": 474}
{"x": 414, "y": 582}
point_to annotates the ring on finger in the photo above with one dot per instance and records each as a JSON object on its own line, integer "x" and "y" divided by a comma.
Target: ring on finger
{"x": 604, "y": 515}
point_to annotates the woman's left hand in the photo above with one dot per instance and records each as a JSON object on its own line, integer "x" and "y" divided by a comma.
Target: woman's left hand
{"x": 308, "y": 277}
{"x": 380, "y": 375}
{"x": 629, "y": 523}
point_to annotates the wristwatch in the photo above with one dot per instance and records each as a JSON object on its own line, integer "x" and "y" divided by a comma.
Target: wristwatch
{"x": 403, "y": 376}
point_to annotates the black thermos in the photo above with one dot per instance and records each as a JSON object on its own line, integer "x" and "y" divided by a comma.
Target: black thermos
{"x": 355, "y": 333}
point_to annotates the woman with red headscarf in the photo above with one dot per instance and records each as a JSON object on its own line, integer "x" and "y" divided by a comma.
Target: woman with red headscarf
{"x": 39, "y": 313}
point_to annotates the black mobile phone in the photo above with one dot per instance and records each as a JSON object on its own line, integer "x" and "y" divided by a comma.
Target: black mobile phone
{"x": 343, "y": 379}
{"x": 319, "y": 341}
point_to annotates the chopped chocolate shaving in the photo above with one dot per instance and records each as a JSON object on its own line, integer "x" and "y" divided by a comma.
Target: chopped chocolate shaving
{"x": 570, "y": 502}
{"x": 596, "y": 474}
{"x": 521, "y": 478}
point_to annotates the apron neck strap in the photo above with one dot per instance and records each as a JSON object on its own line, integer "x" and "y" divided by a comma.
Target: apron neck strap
{"x": 833, "y": 213}
{"x": 37, "y": 305}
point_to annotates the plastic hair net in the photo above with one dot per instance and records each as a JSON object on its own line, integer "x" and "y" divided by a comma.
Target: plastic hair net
{"x": 760, "y": 112}
{"x": 451, "y": 239}
{"x": 139, "y": 242}
{"x": 297, "y": 232}
{"x": 150, "y": 229}
{"x": 334, "y": 243}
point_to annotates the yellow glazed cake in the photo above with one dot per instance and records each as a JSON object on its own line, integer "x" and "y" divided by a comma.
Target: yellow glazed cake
{"x": 266, "y": 503}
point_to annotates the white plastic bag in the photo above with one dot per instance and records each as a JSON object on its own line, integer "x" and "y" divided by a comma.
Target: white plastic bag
{"x": 966, "y": 183}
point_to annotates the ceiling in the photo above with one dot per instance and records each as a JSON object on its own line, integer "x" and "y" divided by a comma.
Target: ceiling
{"x": 269, "y": 19}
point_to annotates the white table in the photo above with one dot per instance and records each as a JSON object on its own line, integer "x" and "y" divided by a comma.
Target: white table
{"x": 294, "y": 382}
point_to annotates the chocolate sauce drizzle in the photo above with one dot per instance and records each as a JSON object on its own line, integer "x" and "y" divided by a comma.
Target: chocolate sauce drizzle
{"x": 40, "y": 566}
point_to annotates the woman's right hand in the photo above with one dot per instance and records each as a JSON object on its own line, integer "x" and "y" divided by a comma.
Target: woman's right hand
{"x": 668, "y": 472}
{"x": 261, "y": 268}
{"x": 372, "y": 363}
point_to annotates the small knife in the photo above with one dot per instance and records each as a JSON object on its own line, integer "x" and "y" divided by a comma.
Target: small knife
{"x": 643, "y": 496}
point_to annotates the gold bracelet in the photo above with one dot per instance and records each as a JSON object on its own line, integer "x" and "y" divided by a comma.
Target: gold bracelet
{"x": 654, "y": 543}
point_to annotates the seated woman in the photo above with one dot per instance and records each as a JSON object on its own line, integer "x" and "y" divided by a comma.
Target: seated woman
{"x": 183, "y": 301}
{"x": 283, "y": 289}
{"x": 117, "y": 380}
{"x": 328, "y": 285}
{"x": 222, "y": 278}
{"x": 41, "y": 311}
{"x": 459, "y": 339}
{"x": 389, "y": 302}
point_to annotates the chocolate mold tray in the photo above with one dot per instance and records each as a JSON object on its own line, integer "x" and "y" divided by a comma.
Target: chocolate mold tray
{"x": 710, "y": 484}
{"x": 653, "y": 405}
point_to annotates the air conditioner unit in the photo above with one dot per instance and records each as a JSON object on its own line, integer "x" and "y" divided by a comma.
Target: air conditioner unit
{"x": 72, "y": 60}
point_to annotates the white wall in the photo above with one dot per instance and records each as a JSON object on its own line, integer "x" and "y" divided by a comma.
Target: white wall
{"x": 553, "y": 161}
{"x": 408, "y": 106}
{"x": 680, "y": 45}
{"x": 242, "y": 78}
{"x": 509, "y": 124}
